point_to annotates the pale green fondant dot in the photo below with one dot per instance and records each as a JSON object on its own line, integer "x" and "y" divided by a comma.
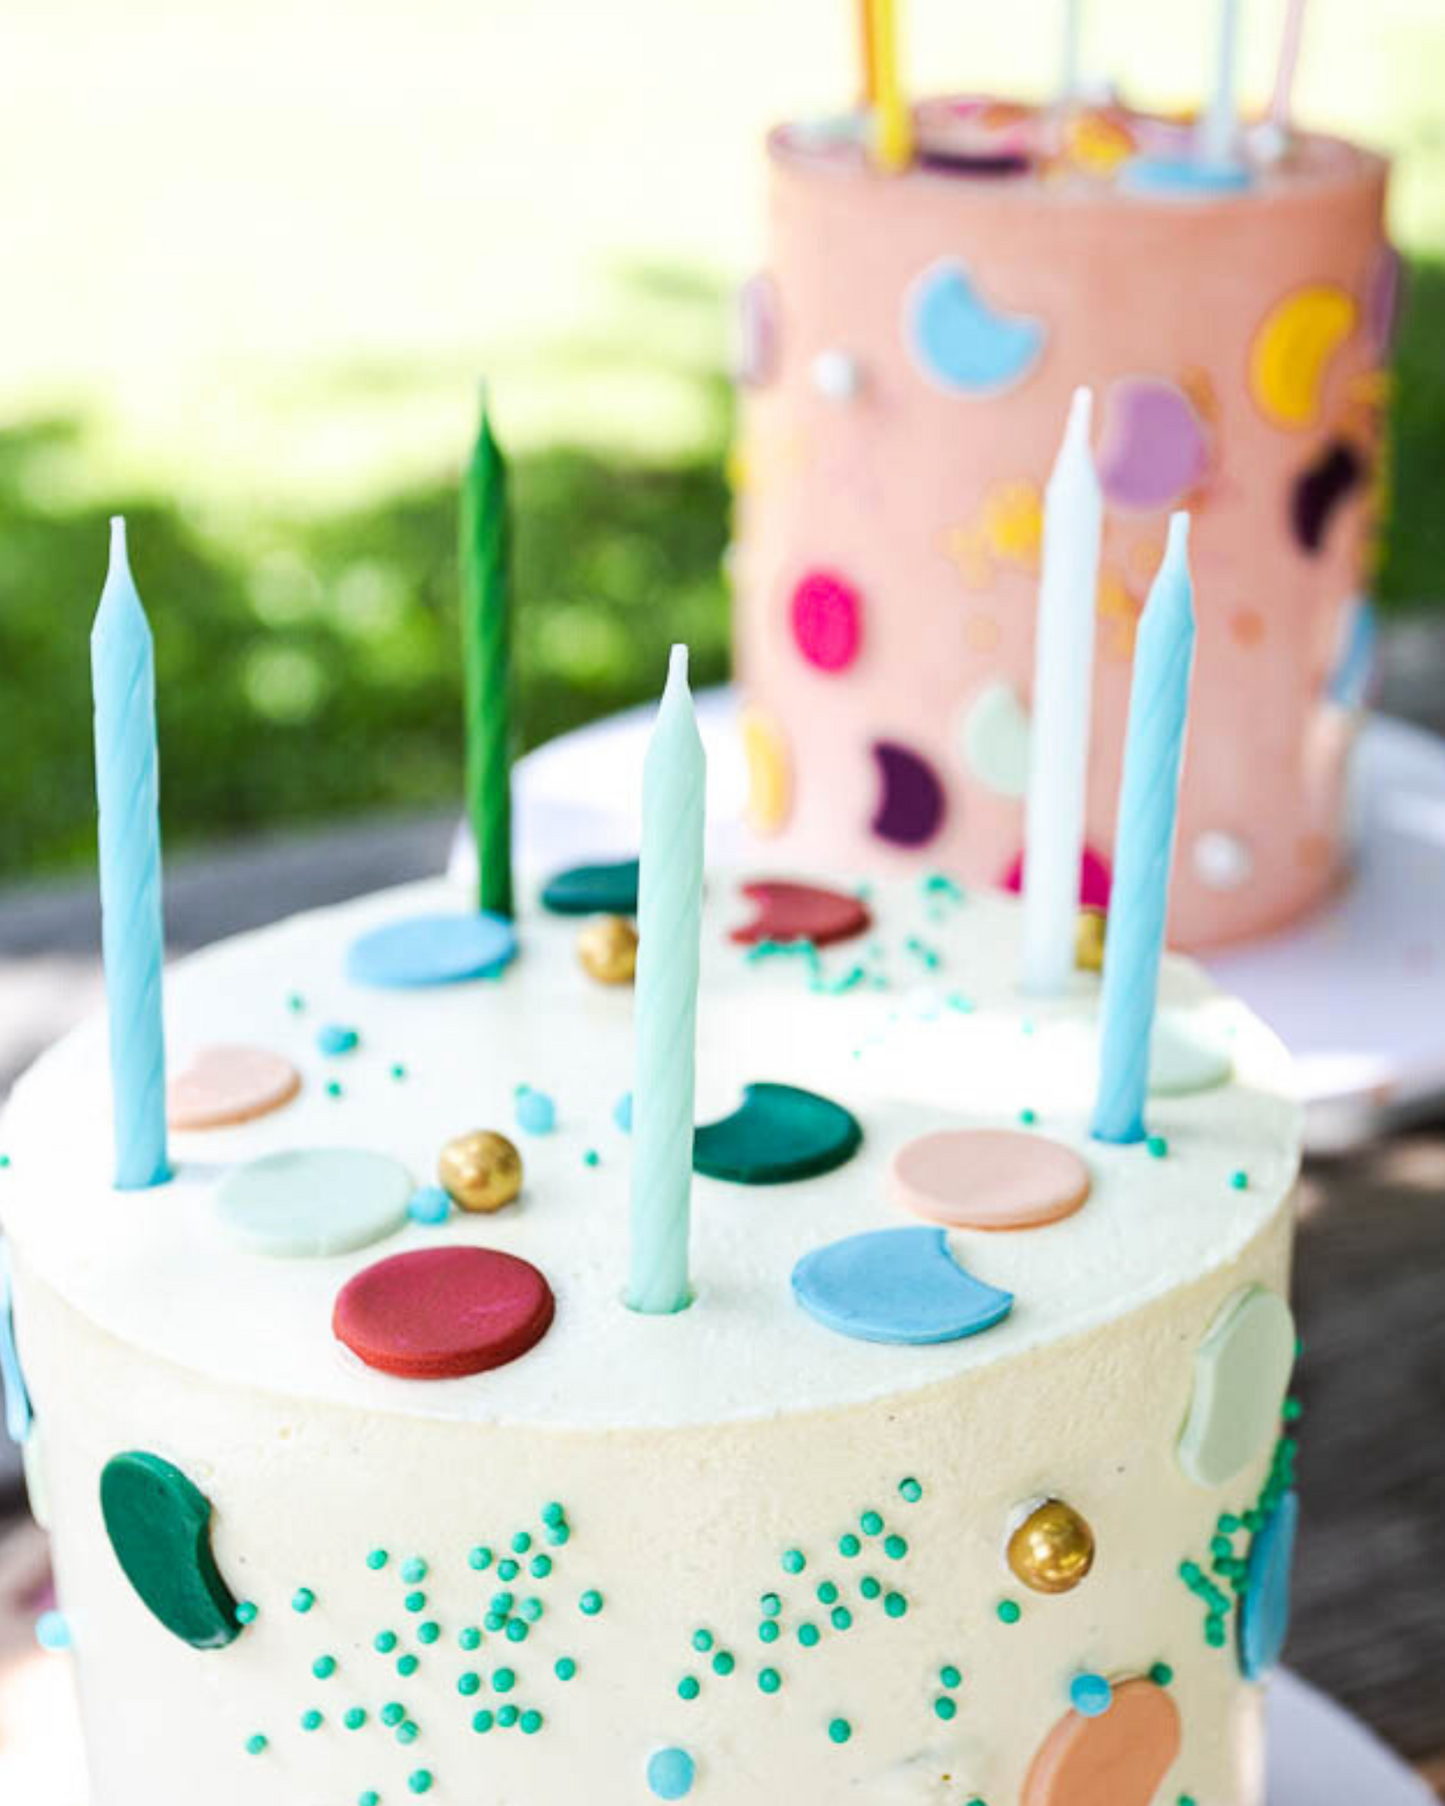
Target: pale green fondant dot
{"x": 507, "y": 1569}
{"x": 531, "y": 1610}
{"x": 407, "y": 1732}
{"x": 541, "y": 1566}
{"x": 945, "y": 1707}
{"x": 849, "y": 1545}
{"x": 558, "y": 1534}
{"x": 702, "y": 1640}
{"x": 827, "y": 1592}
{"x": 521, "y": 1542}
{"x": 553, "y": 1514}
{"x": 841, "y": 1617}
{"x": 419, "y": 1781}
{"x": 369, "y": 1797}
{"x": 508, "y": 1716}
{"x": 503, "y": 1602}
{"x": 246, "y": 1612}
{"x": 516, "y": 1631}
{"x": 869, "y": 1587}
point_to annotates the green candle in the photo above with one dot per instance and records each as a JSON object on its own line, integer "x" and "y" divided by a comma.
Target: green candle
{"x": 486, "y": 662}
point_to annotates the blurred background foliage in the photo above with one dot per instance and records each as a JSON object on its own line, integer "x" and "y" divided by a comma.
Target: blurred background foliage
{"x": 308, "y": 665}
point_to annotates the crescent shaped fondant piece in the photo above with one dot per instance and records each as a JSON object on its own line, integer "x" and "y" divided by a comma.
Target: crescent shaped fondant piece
{"x": 432, "y": 950}
{"x": 1241, "y": 1374}
{"x": 801, "y": 912}
{"x": 910, "y": 796}
{"x": 18, "y": 1412}
{"x": 993, "y": 736}
{"x": 827, "y": 620}
{"x": 1116, "y": 1759}
{"x": 441, "y": 1313}
{"x": 988, "y": 1179}
{"x": 896, "y": 1285}
{"x": 1320, "y": 490}
{"x": 1183, "y": 178}
{"x": 226, "y": 1084}
{"x": 309, "y": 1203}
{"x": 1290, "y": 356}
{"x": 1354, "y": 671}
{"x": 593, "y": 890}
{"x": 159, "y": 1525}
{"x": 960, "y": 341}
{"x": 1264, "y": 1606}
{"x": 778, "y": 1133}
{"x": 1153, "y": 448}
{"x": 1095, "y": 881}
{"x": 770, "y": 786}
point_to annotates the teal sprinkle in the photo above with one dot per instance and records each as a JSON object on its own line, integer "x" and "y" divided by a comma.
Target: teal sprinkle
{"x": 517, "y": 1630}
{"x": 495, "y": 1620}
{"x": 870, "y": 1523}
{"x": 324, "y": 1667}
{"x": 407, "y": 1665}
{"x": 689, "y": 1687}
{"x": 723, "y": 1663}
{"x": 558, "y": 1534}
{"x": 369, "y": 1797}
{"x": 469, "y": 1683}
{"x": 507, "y": 1569}
{"x": 246, "y": 1612}
{"x": 1161, "y": 1674}
{"x": 869, "y": 1587}
{"x": 770, "y": 1605}
{"x": 590, "y": 1603}
{"x": 1008, "y": 1611}
{"x": 398, "y": 1071}
{"x": 428, "y": 1632}
{"x": 541, "y": 1566}
{"x": 702, "y": 1640}
{"x": 296, "y": 1003}
{"x": 378, "y": 1558}
{"x": 504, "y": 1680}
{"x": 354, "y": 1718}
{"x": 415, "y": 1602}
{"x": 827, "y": 1592}
{"x": 794, "y": 1561}
{"x": 507, "y": 1716}
{"x": 945, "y": 1707}
{"x": 1239, "y": 1180}
{"x": 480, "y": 1557}
{"x": 895, "y": 1605}
{"x": 384, "y": 1642}
{"x": 312, "y": 1720}
{"x": 808, "y": 1635}
{"x": 910, "y": 1490}
{"x": 552, "y": 1514}
{"x": 849, "y": 1545}
{"x": 521, "y": 1542}
{"x": 255, "y": 1744}
{"x": 939, "y": 884}
{"x": 302, "y": 1599}
{"x": 769, "y": 1680}
{"x": 841, "y": 1617}
{"x": 1028, "y": 1117}
{"x": 1158, "y": 1146}
{"x": 333, "y": 1088}
{"x": 768, "y": 1630}
{"x": 414, "y": 1570}
{"x": 949, "y": 1675}
{"x": 392, "y": 1713}
{"x": 957, "y": 1001}
{"x": 531, "y": 1610}
{"x": 564, "y": 1668}
{"x": 895, "y": 1547}
{"x": 419, "y": 1781}
{"x": 530, "y": 1722}
{"x": 407, "y": 1731}
{"x": 482, "y": 1722}
{"x": 503, "y": 1602}
{"x": 590, "y": 1157}
{"x": 839, "y": 1730}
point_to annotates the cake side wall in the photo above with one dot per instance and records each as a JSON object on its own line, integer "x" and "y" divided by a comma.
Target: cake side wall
{"x": 925, "y": 501}
{"x": 677, "y": 1532}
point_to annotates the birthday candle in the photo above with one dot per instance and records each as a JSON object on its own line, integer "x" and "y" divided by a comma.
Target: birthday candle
{"x": 1063, "y": 681}
{"x": 486, "y": 665}
{"x": 868, "y": 52}
{"x": 1069, "y": 50}
{"x": 1144, "y": 842}
{"x": 669, "y": 927}
{"x": 892, "y": 117}
{"x": 127, "y": 789}
{"x": 1218, "y": 127}
{"x": 1289, "y": 49}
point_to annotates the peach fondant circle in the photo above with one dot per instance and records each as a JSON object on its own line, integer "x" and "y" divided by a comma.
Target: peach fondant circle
{"x": 988, "y": 1179}
{"x": 1118, "y": 1759}
{"x": 225, "y": 1085}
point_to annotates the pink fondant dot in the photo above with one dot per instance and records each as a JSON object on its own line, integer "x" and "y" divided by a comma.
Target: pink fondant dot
{"x": 438, "y": 1313}
{"x": 800, "y": 912}
{"x": 827, "y": 620}
{"x": 988, "y": 1179}
{"x": 1094, "y": 880}
{"x": 1117, "y": 1759}
{"x": 227, "y": 1084}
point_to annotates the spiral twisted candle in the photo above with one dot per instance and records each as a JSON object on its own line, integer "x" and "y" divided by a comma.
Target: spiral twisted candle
{"x": 1144, "y": 843}
{"x": 674, "y": 783}
{"x": 127, "y": 791}
{"x": 486, "y": 662}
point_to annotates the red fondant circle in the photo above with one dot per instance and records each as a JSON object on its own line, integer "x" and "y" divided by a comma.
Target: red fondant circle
{"x": 800, "y": 912}
{"x": 438, "y": 1313}
{"x": 827, "y": 620}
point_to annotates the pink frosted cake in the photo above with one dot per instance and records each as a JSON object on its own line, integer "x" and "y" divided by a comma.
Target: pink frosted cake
{"x": 908, "y": 360}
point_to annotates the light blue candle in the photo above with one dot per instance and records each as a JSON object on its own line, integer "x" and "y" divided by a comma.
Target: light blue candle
{"x": 127, "y": 791}
{"x": 669, "y": 924}
{"x": 1144, "y": 841}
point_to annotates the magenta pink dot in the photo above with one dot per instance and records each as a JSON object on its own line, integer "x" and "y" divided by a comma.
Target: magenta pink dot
{"x": 827, "y": 620}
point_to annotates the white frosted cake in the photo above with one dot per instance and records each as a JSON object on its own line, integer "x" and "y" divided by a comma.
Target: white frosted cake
{"x": 990, "y": 1509}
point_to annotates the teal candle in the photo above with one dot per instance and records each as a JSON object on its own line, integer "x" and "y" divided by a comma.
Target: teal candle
{"x": 486, "y": 665}
{"x": 128, "y": 795}
{"x": 669, "y": 920}
{"x": 1144, "y": 842}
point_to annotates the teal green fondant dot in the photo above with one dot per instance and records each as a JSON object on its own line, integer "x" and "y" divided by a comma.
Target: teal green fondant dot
{"x": 504, "y": 1680}
{"x": 407, "y": 1664}
{"x": 419, "y": 1780}
{"x": 414, "y": 1570}
{"x": 469, "y": 1683}
{"x": 354, "y": 1717}
{"x": 311, "y": 1720}
{"x": 869, "y": 1587}
{"x": 495, "y": 1620}
{"x": 517, "y": 1630}
{"x": 470, "y": 1637}
{"x": 377, "y": 1558}
{"x": 407, "y": 1731}
{"x": 723, "y": 1663}
{"x": 949, "y": 1675}
{"x": 794, "y": 1561}
{"x": 384, "y": 1642}
{"x": 808, "y": 1635}
{"x": 1008, "y": 1611}
{"x": 870, "y": 1523}
{"x": 564, "y": 1668}
{"x": 256, "y": 1743}
{"x": 480, "y": 1557}
{"x": 910, "y": 1490}
{"x": 840, "y": 1617}
{"x": 553, "y": 1514}
{"x": 839, "y": 1730}
{"x": 590, "y": 1603}
{"x": 508, "y": 1716}
{"x": 945, "y": 1707}
{"x": 521, "y": 1542}
{"x": 769, "y": 1680}
{"x": 827, "y": 1592}
{"x": 702, "y": 1641}
{"x": 368, "y": 1797}
{"x": 482, "y": 1722}
{"x": 531, "y": 1610}
{"x": 507, "y": 1569}
{"x": 393, "y": 1712}
{"x": 415, "y": 1602}
{"x": 429, "y": 1631}
{"x": 503, "y": 1602}
{"x": 324, "y": 1667}
{"x": 849, "y": 1545}
{"x": 895, "y": 1547}
{"x": 768, "y": 1630}
{"x": 529, "y": 1723}
{"x": 689, "y": 1687}
{"x": 1161, "y": 1674}
{"x": 895, "y": 1605}
{"x": 541, "y": 1566}
{"x": 1157, "y": 1145}
{"x": 770, "y": 1605}
{"x": 558, "y": 1535}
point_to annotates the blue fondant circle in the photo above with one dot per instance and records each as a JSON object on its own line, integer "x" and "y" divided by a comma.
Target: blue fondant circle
{"x": 432, "y": 950}
{"x": 963, "y": 344}
{"x": 896, "y": 1285}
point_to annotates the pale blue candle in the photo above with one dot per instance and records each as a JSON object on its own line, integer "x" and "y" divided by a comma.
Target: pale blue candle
{"x": 127, "y": 792}
{"x": 669, "y": 924}
{"x": 1144, "y": 842}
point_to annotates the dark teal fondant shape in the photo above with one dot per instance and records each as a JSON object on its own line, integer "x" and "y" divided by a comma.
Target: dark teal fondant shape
{"x": 777, "y": 1133}
{"x": 159, "y": 1524}
{"x": 593, "y": 890}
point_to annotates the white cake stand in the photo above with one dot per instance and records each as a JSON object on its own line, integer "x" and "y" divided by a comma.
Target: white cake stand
{"x": 1357, "y": 992}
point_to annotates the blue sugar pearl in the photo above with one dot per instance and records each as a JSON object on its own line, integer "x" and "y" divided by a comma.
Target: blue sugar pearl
{"x": 536, "y": 1113}
{"x": 429, "y": 1204}
{"x": 670, "y": 1774}
{"x": 622, "y": 1113}
{"x": 52, "y": 1630}
{"x": 337, "y": 1038}
{"x": 1090, "y": 1695}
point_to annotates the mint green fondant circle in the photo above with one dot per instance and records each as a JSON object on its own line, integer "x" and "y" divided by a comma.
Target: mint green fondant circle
{"x": 159, "y": 1525}
{"x": 1241, "y": 1374}
{"x": 314, "y": 1201}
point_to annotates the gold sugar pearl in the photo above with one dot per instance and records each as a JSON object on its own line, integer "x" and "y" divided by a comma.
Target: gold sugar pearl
{"x": 1052, "y": 1549}
{"x": 481, "y": 1171}
{"x": 607, "y": 948}
{"x": 1089, "y": 940}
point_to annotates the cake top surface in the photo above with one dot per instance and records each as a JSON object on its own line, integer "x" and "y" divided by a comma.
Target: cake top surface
{"x": 915, "y": 1026}
{"x": 998, "y": 148}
